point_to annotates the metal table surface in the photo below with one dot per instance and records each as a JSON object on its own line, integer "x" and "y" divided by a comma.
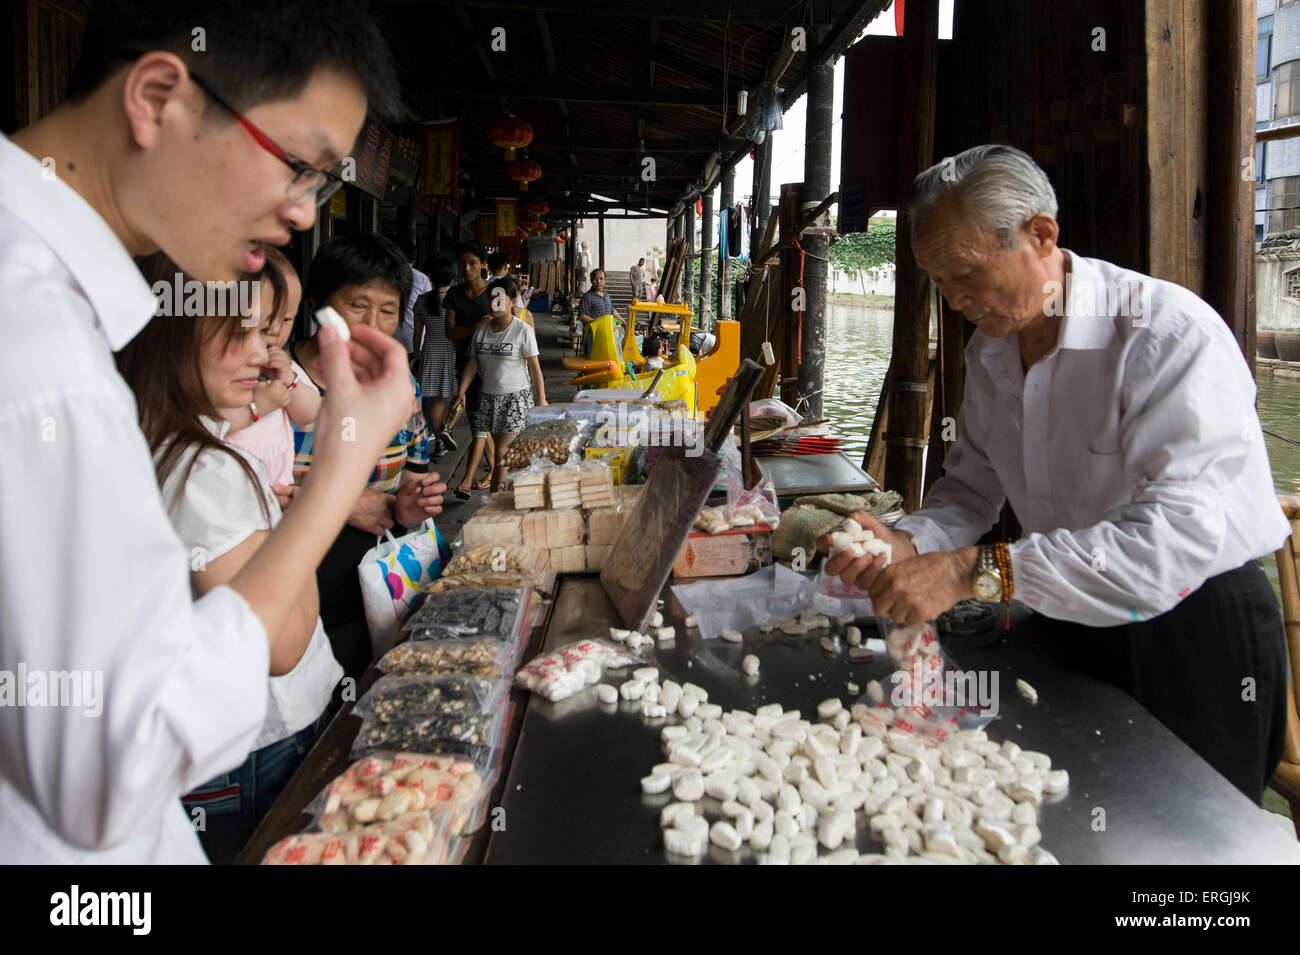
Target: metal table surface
{"x": 573, "y": 792}
{"x": 814, "y": 474}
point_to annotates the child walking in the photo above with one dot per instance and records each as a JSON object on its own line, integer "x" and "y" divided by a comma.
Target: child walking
{"x": 505, "y": 351}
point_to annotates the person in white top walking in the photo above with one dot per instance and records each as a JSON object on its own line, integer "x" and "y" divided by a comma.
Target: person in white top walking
{"x": 1115, "y": 412}
{"x": 505, "y": 351}
{"x": 638, "y": 275}
{"x": 146, "y": 155}
{"x": 221, "y": 501}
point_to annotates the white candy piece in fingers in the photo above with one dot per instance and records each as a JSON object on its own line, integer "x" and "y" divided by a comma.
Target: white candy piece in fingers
{"x": 329, "y": 318}
{"x": 1027, "y": 691}
{"x": 750, "y": 665}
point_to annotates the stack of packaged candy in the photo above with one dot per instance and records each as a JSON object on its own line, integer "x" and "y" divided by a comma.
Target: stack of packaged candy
{"x": 432, "y": 731}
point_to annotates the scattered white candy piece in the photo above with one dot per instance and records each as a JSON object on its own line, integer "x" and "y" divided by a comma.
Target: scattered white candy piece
{"x": 724, "y": 834}
{"x": 828, "y": 708}
{"x": 606, "y": 693}
{"x": 332, "y": 319}
{"x": 750, "y": 665}
{"x": 854, "y": 636}
{"x": 646, "y": 674}
{"x": 730, "y": 636}
{"x": 698, "y": 692}
{"x": 655, "y": 784}
{"x": 632, "y": 690}
{"x": 664, "y": 634}
{"x": 1027, "y": 691}
{"x": 852, "y": 688}
{"x": 619, "y": 636}
{"x": 692, "y": 621}
{"x": 689, "y": 786}
{"x": 875, "y": 692}
{"x": 653, "y": 711}
{"x": 1057, "y": 781}
{"x": 657, "y": 620}
{"x": 845, "y": 619}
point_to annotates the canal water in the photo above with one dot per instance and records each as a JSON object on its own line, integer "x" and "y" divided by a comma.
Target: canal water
{"x": 858, "y": 342}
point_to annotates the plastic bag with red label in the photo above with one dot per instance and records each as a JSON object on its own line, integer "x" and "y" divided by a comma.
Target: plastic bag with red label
{"x": 926, "y": 694}
{"x": 561, "y": 673}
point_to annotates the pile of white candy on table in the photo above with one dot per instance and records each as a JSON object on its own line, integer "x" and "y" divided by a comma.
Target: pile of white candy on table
{"x": 788, "y": 786}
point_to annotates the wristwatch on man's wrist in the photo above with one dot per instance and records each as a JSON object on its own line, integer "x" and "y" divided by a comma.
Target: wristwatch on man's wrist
{"x": 987, "y": 579}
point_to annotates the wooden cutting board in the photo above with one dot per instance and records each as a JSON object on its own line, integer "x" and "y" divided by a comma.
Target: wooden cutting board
{"x": 643, "y": 554}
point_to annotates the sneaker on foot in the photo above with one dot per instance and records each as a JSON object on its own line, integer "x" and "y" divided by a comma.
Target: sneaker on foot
{"x": 447, "y": 440}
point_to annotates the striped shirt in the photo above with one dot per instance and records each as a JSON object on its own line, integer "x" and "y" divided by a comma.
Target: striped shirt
{"x": 409, "y": 450}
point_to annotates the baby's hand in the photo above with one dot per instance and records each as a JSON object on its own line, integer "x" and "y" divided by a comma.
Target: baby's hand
{"x": 271, "y": 396}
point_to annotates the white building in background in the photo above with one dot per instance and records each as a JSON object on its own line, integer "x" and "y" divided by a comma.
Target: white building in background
{"x": 878, "y": 280}
{"x": 626, "y": 241}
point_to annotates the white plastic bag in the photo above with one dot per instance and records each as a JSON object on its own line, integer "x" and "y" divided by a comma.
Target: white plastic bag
{"x": 392, "y": 573}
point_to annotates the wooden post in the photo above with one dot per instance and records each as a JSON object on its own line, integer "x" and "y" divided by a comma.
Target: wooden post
{"x": 817, "y": 186}
{"x": 726, "y": 201}
{"x": 783, "y": 294}
{"x": 708, "y": 239}
{"x": 1230, "y": 219}
{"x": 950, "y": 378}
{"x": 601, "y": 228}
{"x": 1176, "y": 84}
{"x": 762, "y": 191}
{"x": 688, "y": 273}
{"x": 908, "y": 422}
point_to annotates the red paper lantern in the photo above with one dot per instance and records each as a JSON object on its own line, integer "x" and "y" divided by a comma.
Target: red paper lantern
{"x": 538, "y": 207}
{"x": 524, "y": 171}
{"x": 699, "y": 207}
{"x": 559, "y": 240}
{"x": 533, "y": 224}
{"x": 510, "y": 133}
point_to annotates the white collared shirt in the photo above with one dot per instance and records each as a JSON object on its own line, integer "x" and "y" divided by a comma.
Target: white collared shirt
{"x": 1132, "y": 454}
{"x": 93, "y": 576}
{"x": 215, "y": 508}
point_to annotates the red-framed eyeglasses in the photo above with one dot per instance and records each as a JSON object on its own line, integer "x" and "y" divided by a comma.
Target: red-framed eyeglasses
{"x": 307, "y": 180}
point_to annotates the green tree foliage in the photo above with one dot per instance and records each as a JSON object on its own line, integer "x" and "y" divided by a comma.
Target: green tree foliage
{"x": 864, "y": 250}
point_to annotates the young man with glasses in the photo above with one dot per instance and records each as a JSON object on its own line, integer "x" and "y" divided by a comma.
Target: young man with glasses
{"x": 146, "y": 156}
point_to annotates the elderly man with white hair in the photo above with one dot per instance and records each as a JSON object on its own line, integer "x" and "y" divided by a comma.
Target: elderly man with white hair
{"x": 1117, "y": 415}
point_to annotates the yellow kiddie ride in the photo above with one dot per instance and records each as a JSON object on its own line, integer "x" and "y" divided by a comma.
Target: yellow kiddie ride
{"x": 696, "y": 382}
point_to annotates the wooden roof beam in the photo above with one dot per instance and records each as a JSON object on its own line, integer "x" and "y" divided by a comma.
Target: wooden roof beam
{"x": 575, "y": 93}
{"x": 761, "y": 12}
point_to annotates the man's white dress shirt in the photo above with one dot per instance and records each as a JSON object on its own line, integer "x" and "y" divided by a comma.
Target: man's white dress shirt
{"x": 93, "y": 576}
{"x": 1132, "y": 454}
